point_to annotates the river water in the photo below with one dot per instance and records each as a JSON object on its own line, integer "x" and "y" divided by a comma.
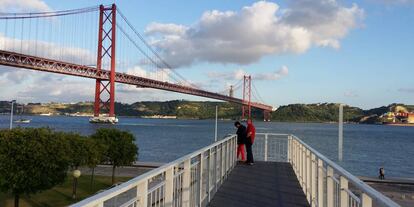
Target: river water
{"x": 366, "y": 147}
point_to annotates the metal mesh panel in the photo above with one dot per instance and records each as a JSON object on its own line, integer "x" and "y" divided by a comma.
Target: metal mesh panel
{"x": 267, "y": 147}
{"x": 126, "y": 197}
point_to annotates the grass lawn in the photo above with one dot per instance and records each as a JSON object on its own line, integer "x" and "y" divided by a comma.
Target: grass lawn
{"x": 61, "y": 195}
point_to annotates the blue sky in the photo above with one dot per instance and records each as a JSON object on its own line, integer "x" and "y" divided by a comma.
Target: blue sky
{"x": 373, "y": 66}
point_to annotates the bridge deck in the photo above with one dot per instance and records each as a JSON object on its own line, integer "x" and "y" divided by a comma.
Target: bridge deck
{"x": 263, "y": 184}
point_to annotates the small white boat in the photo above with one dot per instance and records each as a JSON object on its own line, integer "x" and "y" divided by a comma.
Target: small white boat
{"x": 103, "y": 120}
{"x": 23, "y": 121}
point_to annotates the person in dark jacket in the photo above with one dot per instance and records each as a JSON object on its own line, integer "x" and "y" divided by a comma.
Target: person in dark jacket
{"x": 381, "y": 173}
{"x": 251, "y": 134}
{"x": 241, "y": 139}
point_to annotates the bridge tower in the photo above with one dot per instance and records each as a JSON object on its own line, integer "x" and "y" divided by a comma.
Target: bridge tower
{"x": 247, "y": 95}
{"x": 231, "y": 92}
{"x": 266, "y": 115}
{"x": 105, "y": 90}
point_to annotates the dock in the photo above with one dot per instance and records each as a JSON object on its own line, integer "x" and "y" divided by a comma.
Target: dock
{"x": 287, "y": 173}
{"x": 263, "y": 184}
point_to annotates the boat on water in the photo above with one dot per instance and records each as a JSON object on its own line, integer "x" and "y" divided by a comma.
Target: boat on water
{"x": 103, "y": 120}
{"x": 23, "y": 121}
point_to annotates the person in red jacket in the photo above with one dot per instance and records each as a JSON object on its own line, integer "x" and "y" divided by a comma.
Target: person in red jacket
{"x": 251, "y": 134}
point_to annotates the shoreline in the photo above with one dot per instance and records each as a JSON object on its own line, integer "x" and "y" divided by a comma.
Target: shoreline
{"x": 221, "y": 119}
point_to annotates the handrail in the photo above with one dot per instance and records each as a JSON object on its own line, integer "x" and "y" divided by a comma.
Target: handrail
{"x": 98, "y": 198}
{"x": 375, "y": 195}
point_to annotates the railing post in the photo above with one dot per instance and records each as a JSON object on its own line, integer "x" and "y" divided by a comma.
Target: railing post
{"x": 314, "y": 182}
{"x": 304, "y": 169}
{"x": 234, "y": 150}
{"x": 216, "y": 174}
{"x": 200, "y": 181}
{"x": 297, "y": 158}
{"x": 308, "y": 176}
{"x": 142, "y": 193}
{"x": 289, "y": 149}
{"x": 216, "y": 171}
{"x": 366, "y": 201}
{"x": 223, "y": 163}
{"x": 228, "y": 160}
{"x": 321, "y": 178}
{"x": 301, "y": 165}
{"x": 330, "y": 187}
{"x": 186, "y": 183}
{"x": 210, "y": 174}
{"x": 169, "y": 186}
{"x": 265, "y": 148}
{"x": 343, "y": 183}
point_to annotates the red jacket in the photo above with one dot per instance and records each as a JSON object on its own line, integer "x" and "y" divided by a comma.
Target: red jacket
{"x": 251, "y": 129}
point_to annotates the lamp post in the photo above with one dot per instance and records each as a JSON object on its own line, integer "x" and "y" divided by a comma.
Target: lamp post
{"x": 340, "y": 132}
{"x": 76, "y": 174}
{"x": 215, "y": 129}
{"x": 11, "y": 114}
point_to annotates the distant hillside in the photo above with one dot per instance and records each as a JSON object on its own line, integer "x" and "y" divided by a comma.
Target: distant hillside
{"x": 179, "y": 108}
{"x": 326, "y": 112}
{"x": 321, "y": 112}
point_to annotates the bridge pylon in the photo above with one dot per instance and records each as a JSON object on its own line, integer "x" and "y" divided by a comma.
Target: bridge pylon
{"x": 247, "y": 96}
{"x": 105, "y": 89}
{"x": 266, "y": 115}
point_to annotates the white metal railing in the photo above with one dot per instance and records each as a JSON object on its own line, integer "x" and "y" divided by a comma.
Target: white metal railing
{"x": 194, "y": 179}
{"x": 326, "y": 184}
{"x": 188, "y": 181}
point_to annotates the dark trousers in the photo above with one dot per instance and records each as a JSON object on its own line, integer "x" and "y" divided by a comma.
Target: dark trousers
{"x": 249, "y": 151}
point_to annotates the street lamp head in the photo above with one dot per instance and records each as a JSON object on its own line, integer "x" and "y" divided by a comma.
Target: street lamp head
{"x": 13, "y": 101}
{"x": 76, "y": 173}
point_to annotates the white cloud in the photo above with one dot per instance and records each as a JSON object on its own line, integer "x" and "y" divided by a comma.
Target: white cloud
{"x": 233, "y": 75}
{"x": 351, "y": 94}
{"x": 394, "y": 2}
{"x": 406, "y": 90}
{"x": 49, "y": 50}
{"x": 239, "y": 73}
{"x": 245, "y": 36}
{"x": 34, "y": 86}
{"x": 170, "y": 29}
{"x": 23, "y": 6}
{"x": 282, "y": 72}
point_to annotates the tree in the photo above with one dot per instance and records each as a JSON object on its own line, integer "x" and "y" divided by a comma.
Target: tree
{"x": 95, "y": 155}
{"x": 78, "y": 155}
{"x": 31, "y": 160}
{"x": 120, "y": 145}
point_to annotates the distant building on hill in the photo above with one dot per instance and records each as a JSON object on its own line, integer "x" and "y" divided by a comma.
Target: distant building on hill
{"x": 410, "y": 118}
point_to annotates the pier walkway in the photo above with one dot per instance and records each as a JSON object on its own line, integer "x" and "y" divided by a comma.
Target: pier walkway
{"x": 263, "y": 184}
{"x": 287, "y": 172}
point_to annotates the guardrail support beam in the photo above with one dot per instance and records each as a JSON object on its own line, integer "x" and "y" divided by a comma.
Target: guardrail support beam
{"x": 330, "y": 187}
{"x": 321, "y": 177}
{"x": 366, "y": 201}
{"x": 308, "y": 176}
{"x": 169, "y": 187}
{"x": 186, "y": 183}
{"x": 314, "y": 182}
{"x": 142, "y": 192}
{"x": 343, "y": 184}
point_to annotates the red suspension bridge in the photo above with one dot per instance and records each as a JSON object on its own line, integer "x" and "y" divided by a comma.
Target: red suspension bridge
{"x": 65, "y": 42}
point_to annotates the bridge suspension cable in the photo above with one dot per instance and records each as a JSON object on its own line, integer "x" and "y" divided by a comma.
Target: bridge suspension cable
{"x": 256, "y": 94}
{"x": 5, "y": 15}
{"x": 66, "y": 42}
{"x": 150, "y": 54}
